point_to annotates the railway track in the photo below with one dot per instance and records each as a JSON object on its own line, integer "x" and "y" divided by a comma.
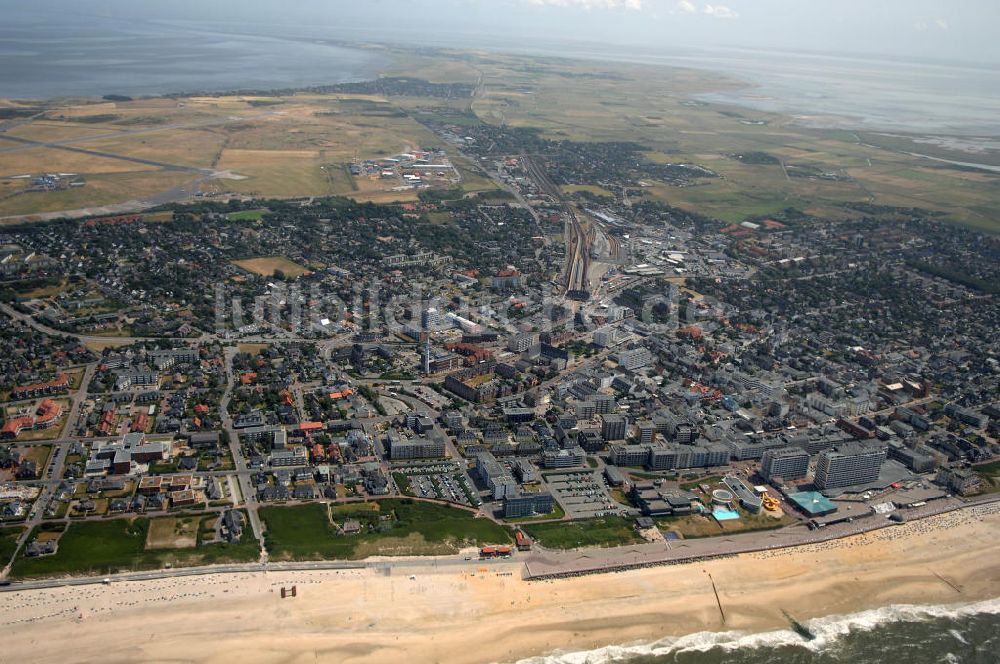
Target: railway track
{"x": 578, "y": 251}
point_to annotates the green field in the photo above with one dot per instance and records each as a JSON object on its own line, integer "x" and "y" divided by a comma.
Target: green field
{"x": 302, "y": 149}
{"x": 8, "y": 543}
{"x": 119, "y": 545}
{"x": 589, "y": 188}
{"x": 604, "y": 531}
{"x": 389, "y": 527}
{"x": 990, "y": 474}
{"x": 245, "y": 215}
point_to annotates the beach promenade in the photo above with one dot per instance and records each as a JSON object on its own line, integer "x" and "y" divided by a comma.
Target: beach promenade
{"x": 432, "y": 612}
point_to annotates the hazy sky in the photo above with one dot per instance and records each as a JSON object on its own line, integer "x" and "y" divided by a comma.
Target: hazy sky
{"x": 928, "y": 29}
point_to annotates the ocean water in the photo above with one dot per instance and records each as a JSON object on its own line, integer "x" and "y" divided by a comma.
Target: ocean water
{"x": 857, "y": 93}
{"x": 846, "y": 92}
{"x": 902, "y": 634}
{"x": 45, "y": 57}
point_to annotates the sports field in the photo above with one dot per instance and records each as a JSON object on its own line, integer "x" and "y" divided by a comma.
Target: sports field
{"x": 266, "y": 266}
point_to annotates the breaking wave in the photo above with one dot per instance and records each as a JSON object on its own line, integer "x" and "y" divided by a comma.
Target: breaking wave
{"x": 828, "y": 631}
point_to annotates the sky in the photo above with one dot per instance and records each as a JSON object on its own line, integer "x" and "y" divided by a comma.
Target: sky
{"x": 950, "y": 30}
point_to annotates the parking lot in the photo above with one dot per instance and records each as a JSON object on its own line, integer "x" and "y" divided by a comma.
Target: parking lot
{"x": 444, "y": 481}
{"x": 582, "y": 493}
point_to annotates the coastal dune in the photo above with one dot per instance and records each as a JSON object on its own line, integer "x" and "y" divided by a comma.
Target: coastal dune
{"x": 487, "y": 613}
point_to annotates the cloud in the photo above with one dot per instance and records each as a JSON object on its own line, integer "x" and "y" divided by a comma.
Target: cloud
{"x": 720, "y": 11}
{"x": 933, "y": 24}
{"x": 679, "y": 7}
{"x": 635, "y": 5}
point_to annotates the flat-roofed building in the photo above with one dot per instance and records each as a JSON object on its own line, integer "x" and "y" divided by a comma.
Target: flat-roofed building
{"x": 495, "y": 476}
{"x": 296, "y": 455}
{"x": 919, "y": 459}
{"x": 661, "y": 501}
{"x": 613, "y": 427}
{"x": 614, "y": 476}
{"x": 812, "y": 503}
{"x": 963, "y": 481}
{"x": 850, "y": 464}
{"x": 788, "y": 463}
{"x": 750, "y": 501}
{"x": 150, "y": 485}
{"x": 637, "y": 358}
{"x": 567, "y": 458}
{"x": 182, "y": 498}
{"x": 527, "y": 504}
{"x": 417, "y": 447}
{"x": 631, "y": 456}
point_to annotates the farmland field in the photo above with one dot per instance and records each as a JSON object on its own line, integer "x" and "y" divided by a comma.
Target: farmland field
{"x": 300, "y": 145}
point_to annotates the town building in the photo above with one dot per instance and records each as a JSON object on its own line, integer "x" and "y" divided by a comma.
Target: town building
{"x": 613, "y": 427}
{"x": 961, "y": 481}
{"x": 527, "y": 504}
{"x": 416, "y": 447}
{"x": 787, "y": 463}
{"x": 848, "y": 465}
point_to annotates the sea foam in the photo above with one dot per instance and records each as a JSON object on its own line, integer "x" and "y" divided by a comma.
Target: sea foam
{"x": 827, "y": 631}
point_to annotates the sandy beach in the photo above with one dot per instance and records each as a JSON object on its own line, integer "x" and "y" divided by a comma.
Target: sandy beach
{"x": 488, "y": 613}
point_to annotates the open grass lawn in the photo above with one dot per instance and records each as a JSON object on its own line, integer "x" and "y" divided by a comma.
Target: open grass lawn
{"x": 589, "y": 188}
{"x": 98, "y": 346}
{"x": 183, "y": 147}
{"x": 113, "y": 332}
{"x": 990, "y": 484}
{"x": 275, "y": 172}
{"x": 104, "y": 547}
{"x": 691, "y": 526}
{"x": 266, "y": 266}
{"x": 301, "y": 532}
{"x": 95, "y": 547}
{"x": 47, "y": 131}
{"x": 604, "y": 531}
{"x": 8, "y": 543}
{"x": 990, "y": 474}
{"x": 696, "y": 525}
{"x": 246, "y": 215}
{"x": 75, "y": 378}
{"x": 619, "y": 496}
{"x": 47, "y": 160}
{"x": 172, "y": 533}
{"x": 40, "y": 454}
{"x": 992, "y": 468}
{"x": 101, "y": 189}
{"x": 45, "y": 291}
{"x": 390, "y": 527}
{"x": 252, "y": 349}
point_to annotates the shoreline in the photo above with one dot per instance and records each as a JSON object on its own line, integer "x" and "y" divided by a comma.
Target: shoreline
{"x": 434, "y": 614}
{"x": 548, "y": 564}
